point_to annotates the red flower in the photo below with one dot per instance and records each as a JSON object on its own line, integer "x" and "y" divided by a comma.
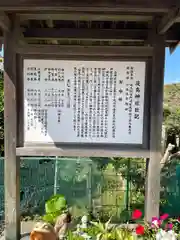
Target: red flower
{"x": 170, "y": 226}
{"x": 136, "y": 214}
{"x": 139, "y": 230}
{"x": 178, "y": 219}
{"x": 164, "y": 216}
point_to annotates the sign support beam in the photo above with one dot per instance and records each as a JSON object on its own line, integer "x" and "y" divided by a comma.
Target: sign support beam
{"x": 168, "y": 20}
{"x": 12, "y": 165}
{"x": 154, "y": 168}
{"x": 5, "y": 23}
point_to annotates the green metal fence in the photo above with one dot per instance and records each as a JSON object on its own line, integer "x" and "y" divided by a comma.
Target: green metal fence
{"x": 96, "y": 184}
{"x": 107, "y": 188}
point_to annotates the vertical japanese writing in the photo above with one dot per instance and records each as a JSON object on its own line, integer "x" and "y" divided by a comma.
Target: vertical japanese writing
{"x": 92, "y": 89}
{"x": 83, "y": 101}
{"x": 130, "y": 108}
{"x": 54, "y": 74}
{"x": 137, "y": 99}
{"x": 33, "y": 74}
{"x": 114, "y": 106}
{"x": 130, "y": 75}
{"x": 75, "y": 100}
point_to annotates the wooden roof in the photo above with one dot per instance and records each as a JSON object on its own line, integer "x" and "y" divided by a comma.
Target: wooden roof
{"x": 97, "y": 22}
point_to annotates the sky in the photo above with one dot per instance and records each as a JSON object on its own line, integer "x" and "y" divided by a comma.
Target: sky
{"x": 172, "y": 68}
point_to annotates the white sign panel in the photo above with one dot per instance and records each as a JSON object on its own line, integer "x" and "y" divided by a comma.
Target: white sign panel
{"x": 83, "y": 101}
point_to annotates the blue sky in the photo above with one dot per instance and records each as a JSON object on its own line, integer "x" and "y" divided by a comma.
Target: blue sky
{"x": 172, "y": 68}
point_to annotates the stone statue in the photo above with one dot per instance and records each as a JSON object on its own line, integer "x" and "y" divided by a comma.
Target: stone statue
{"x": 81, "y": 227}
{"x": 84, "y": 222}
{"x": 43, "y": 231}
{"x": 61, "y": 225}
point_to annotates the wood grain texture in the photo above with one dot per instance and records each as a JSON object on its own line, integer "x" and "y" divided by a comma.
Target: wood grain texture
{"x": 11, "y": 170}
{"x": 80, "y": 152}
{"x": 153, "y": 171}
{"x": 108, "y": 5}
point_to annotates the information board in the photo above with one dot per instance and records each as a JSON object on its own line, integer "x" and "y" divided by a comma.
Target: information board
{"x": 67, "y": 101}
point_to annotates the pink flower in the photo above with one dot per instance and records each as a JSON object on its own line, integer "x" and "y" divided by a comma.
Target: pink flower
{"x": 164, "y": 216}
{"x": 155, "y": 219}
{"x": 156, "y": 222}
{"x": 170, "y": 226}
{"x": 136, "y": 214}
{"x": 139, "y": 230}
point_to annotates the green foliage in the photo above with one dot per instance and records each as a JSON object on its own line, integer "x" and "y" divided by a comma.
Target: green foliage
{"x": 56, "y": 203}
{"x": 54, "y": 207}
{"x": 1, "y": 114}
{"x": 91, "y": 231}
{"x": 124, "y": 234}
{"x": 171, "y": 95}
{"x": 172, "y": 121}
{"x": 50, "y": 217}
{"x": 105, "y": 230}
{"x": 172, "y": 108}
{"x": 71, "y": 236}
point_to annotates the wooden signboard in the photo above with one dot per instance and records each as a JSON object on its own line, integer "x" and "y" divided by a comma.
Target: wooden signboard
{"x": 94, "y": 102}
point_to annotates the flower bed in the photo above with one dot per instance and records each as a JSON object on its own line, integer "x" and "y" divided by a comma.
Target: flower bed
{"x": 162, "y": 228}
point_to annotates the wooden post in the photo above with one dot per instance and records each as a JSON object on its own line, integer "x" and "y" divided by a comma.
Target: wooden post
{"x": 11, "y": 170}
{"x": 154, "y": 168}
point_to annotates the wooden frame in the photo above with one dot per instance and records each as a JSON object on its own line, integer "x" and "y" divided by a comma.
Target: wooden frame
{"x": 154, "y": 165}
{"x": 70, "y": 50}
{"x": 116, "y": 35}
{"x": 168, "y": 20}
{"x": 11, "y": 163}
{"x": 153, "y": 6}
{"x": 152, "y": 51}
{"x": 85, "y": 150}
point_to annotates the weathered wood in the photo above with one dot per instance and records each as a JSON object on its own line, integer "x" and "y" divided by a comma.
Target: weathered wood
{"x": 88, "y": 34}
{"x": 81, "y": 152}
{"x": 173, "y": 47}
{"x": 120, "y": 35}
{"x": 65, "y": 50}
{"x": 5, "y": 23}
{"x": 123, "y": 5}
{"x": 18, "y": 33}
{"x": 83, "y": 16}
{"x": 168, "y": 20}
{"x": 11, "y": 170}
{"x": 50, "y": 24}
{"x": 153, "y": 173}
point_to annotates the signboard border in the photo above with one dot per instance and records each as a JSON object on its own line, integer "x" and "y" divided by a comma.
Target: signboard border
{"x": 110, "y": 147}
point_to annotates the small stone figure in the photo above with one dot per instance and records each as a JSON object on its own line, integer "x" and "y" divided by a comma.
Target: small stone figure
{"x": 43, "y": 231}
{"x": 81, "y": 227}
{"x": 61, "y": 225}
{"x": 84, "y": 222}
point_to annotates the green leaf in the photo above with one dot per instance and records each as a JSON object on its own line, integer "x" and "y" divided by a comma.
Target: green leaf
{"x": 51, "y": 217}
{"x": 99, "y": 236}
{"x": 48, "y": 218}
{"x": 107, "y": 224}
{"x": 56, "y": 203}
{"x": 100, "y": 226}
